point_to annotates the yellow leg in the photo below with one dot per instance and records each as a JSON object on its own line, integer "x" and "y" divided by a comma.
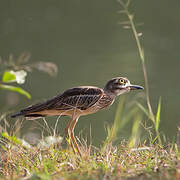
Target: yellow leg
{"x": 68, "y": 133}
{"x": 67, "y": 127}
{"x": 69, "y": 130}
{"x": 72, "y": 136}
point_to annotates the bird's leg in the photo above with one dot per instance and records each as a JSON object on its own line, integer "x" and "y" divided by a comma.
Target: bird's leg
{"x": 69, "y": 130}
{"x": 68, "y": 133}
{"x": 67, "y": 127}
{"x": 74, "y": 143}
{"x": 71, "y": 142}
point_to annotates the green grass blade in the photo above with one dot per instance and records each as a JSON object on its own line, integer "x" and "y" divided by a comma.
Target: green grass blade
{"x": 158, "y": 115}
{"x": 146, "y": 112}
{"x": 16, "y": 89}
{"x": 112, "y": 132}
{"x": 10, "y": 138}
{"x": 117, "y": 122}
{"x": 127, "y": 117}
{"x": 135, "y": 132}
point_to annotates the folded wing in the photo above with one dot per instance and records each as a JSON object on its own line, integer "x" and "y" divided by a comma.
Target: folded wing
{"x": 81, "y": 97}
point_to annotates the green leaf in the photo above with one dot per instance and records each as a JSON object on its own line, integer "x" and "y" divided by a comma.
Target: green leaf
{"x": 8, "y": 77}
{"x": 158, "y": 115}
{"x": 16, "y": 89}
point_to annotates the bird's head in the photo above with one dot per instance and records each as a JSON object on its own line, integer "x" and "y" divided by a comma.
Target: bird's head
{"x": 120, "y": 85}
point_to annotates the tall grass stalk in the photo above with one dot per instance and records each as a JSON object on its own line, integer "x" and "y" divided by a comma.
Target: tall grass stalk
{"x": 122, "y": 117}
{"x": 156, "y": 120}
{"x": 112, "y": 132}
{"x": 133, "y": 141}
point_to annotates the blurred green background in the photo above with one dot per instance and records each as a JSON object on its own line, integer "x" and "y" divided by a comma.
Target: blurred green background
{"x": 89, "y": 47}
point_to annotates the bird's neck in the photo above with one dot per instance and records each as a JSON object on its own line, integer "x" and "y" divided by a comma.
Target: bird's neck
{"x": 110, "y": 94}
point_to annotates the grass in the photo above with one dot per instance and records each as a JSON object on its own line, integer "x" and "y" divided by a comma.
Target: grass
{"x": 51, "y": 162}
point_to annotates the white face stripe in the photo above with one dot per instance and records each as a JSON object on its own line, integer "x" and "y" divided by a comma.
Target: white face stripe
{"x": 127, "y": 84}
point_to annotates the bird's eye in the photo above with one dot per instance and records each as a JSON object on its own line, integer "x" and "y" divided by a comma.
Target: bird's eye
{"x": 122, "y": 82}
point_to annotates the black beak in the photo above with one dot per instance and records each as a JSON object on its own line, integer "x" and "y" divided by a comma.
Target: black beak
{"x": 135, "y": 87}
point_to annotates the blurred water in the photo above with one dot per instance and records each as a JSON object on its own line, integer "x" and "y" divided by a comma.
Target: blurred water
{"x": 89, "y": 46}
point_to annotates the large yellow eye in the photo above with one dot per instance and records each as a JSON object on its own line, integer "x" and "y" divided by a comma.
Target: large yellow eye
{"x": 122, "y": 81}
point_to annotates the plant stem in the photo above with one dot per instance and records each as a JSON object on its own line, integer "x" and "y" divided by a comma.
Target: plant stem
{"x": 141, "y": 53}
{"x": 142, "y": 57}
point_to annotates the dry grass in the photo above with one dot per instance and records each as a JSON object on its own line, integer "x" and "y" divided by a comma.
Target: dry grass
{"x": 116, "y": 162}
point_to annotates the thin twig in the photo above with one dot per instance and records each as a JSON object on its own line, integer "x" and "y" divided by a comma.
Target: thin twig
{"x": 55, "y": 127}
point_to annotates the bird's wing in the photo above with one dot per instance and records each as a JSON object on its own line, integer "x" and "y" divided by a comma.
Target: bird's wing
{"x": 79, "y": 97}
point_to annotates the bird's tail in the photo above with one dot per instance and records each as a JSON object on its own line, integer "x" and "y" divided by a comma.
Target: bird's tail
{"x": 28, "y": 116}
{"x": 16, "y": 115}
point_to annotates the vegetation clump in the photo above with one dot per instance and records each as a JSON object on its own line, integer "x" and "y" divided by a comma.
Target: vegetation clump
{"x": 19, "y": 160}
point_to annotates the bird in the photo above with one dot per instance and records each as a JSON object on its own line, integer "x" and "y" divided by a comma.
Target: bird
{"x": 79, "y": 101}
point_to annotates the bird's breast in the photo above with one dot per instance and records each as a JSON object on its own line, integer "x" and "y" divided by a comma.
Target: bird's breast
{"x": 105, "y": 102}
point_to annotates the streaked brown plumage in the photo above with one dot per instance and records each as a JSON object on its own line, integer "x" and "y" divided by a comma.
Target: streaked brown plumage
{"x": 79, "y": 101}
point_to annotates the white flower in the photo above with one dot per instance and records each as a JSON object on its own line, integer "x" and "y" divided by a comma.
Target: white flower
{"x": 20, "y": 76}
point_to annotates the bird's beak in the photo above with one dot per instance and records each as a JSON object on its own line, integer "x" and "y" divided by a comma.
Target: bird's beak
{"x": 135, "y": 87}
